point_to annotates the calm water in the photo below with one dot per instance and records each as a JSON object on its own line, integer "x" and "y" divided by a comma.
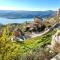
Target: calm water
{"x": 7, "y": 21}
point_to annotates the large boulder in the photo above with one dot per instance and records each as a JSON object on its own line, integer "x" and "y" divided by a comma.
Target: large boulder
{"x": 36, "y": 26}
{"x": 55, "y": 43}
{"x": 38, "y": 21}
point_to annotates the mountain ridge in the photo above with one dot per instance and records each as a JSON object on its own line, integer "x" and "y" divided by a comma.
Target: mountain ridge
{"x": 10, "y": 14}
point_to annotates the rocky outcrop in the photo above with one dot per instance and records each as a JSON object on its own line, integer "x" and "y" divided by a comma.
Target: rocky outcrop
{"x": 36, "y": 26}
{"x": 57, "y": 57}
{"x": 58, "y": 14}
{"x": 55, "y": 43}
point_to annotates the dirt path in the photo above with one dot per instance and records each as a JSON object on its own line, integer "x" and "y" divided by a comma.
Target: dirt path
{"x": 44, "y": 32}
{"x": 39, "y": 34}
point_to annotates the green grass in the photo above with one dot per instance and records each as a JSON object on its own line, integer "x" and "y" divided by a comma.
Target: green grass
{"x": 35, "y": 47}
{"x": 40, "y": 41}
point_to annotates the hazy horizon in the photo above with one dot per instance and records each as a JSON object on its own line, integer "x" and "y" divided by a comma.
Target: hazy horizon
{"x": 30, "y": 10}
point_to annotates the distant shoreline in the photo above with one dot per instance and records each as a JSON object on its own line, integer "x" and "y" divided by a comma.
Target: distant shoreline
{"x": 5, "y": 21}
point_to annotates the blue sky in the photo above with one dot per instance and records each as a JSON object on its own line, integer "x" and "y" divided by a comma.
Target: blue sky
{"x": 32, "y": 5}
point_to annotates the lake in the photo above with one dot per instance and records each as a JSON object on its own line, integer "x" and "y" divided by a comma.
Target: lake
{"x": 7, "y": 21}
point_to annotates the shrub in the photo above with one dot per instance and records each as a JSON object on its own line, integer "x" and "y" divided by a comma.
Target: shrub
{"x": 8, "y": 49}
{"x": 38, "y": 54}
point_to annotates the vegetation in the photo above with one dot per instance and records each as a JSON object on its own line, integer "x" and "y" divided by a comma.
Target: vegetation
{"x": 12, "y": 50}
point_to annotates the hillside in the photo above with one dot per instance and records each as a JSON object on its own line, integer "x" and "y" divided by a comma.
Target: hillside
{"x": 29, "y": 49}
{"x": 13, "y": 50}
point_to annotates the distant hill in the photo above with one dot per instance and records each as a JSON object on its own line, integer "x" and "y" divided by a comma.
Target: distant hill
{"x": 26, "y": 14}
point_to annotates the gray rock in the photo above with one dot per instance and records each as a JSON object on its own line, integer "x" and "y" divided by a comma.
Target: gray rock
{"x": 57, "y": 57}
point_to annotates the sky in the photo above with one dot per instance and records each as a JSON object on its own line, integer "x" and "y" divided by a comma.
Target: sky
{"x": 30, "y": 5}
